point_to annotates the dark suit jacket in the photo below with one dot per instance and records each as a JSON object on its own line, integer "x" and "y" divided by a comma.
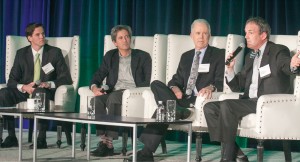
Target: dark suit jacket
{"x": 278, "y": 58}
{"x": 141, "y": 66}
{"x": 214, "y": 56}
{"x": 22, "y": 71}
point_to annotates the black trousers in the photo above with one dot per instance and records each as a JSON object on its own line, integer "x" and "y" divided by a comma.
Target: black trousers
{"x": 113, "y": 103}
{"x": 152, "y": 134}
{"x": 12, "y": 96}
{"x": 222, "y": 119}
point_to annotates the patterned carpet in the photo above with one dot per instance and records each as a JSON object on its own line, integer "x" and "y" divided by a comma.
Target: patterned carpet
{"x": 176, "y": 152}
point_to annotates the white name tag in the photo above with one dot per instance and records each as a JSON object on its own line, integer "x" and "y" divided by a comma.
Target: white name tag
{"x": 48, "y": 68}
{"x": 203, "y": 68}
{"x": 264, "y": 71}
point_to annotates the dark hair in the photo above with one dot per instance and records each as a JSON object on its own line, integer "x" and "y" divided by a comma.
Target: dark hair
{"x": 31, "y": 27}
{"x": 118, "y": 28}
{"x": 263, "y": 25}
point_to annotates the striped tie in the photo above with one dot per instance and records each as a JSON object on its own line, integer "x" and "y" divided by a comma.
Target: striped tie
{"x": 37, "y": 68}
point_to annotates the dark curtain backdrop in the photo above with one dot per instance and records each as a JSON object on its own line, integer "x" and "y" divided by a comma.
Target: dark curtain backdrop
{"x": 92, "y": 19}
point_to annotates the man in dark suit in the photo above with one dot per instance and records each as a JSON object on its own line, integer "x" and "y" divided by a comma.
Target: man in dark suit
{"x": 123, "y": 68}
{"x": 26, "y": 71}
{"x": 178, "y": 87}
{"x": 266, "y": 71}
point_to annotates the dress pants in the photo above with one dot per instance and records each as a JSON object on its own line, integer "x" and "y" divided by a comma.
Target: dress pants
{"x": 113, "y": 103}
{"x": 12, "y": 96}
{"x": 152, "y": 134}
{"x": 222, "y": 119}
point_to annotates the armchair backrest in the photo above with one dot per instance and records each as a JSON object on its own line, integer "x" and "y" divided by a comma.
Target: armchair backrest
{"x": 178, "y": 44}
{"x": 68, "y": 45}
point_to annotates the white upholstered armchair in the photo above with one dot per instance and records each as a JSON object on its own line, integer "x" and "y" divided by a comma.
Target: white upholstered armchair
{"x": 65, "y": 95}
{"x": 132, "y": 98}
{"x": 178, "y": 44}
{"x": 277, "y": 115}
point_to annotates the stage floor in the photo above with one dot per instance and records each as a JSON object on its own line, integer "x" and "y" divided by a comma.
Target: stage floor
{"x": 176, "y": 152}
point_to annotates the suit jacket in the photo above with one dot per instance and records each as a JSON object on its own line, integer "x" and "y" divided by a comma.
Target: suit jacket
{"x": 141, "y": 65}
{"x": 278, "y": 58}
{"x": 214, "y": 56}
{"x": 22, "y": 71}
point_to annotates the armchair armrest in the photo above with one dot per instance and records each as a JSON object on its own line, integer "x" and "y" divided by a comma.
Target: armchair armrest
{"x": 2, "y": 86}
{"x": 233, "y": 95}
{"x": 277, "y": 116}
{"x": 133, "y": 102}
{"x": 65, "y": 97}
{"x": 150, "y": 103}
{"x": 83, "y": 93}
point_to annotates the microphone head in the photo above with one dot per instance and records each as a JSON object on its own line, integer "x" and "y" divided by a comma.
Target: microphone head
{"x": 242, "y": 45}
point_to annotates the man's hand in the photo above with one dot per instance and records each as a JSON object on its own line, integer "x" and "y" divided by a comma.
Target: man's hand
{"x": 97, "y": 91}
{"x": 206, "y": 92}
{"x": 231, "y": 64}
{"x": 295, "y": 61}
{"x": 28, "y": 88}
{"x": 45, "y": 85}
{"x": 177, "y": 92}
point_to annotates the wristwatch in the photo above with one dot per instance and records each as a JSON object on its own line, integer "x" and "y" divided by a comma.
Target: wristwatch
{"x": 213, "y": 87}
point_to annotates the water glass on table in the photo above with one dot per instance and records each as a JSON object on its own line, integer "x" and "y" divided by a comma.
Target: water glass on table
{"x": 171, "y": 110}
{"x": 39, "y": 103}
{"x": 91, "y": 105}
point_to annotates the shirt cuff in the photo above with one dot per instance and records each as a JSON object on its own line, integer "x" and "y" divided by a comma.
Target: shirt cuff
{"x": 92, "y": 86}
{"x": 52, "y": 84}
{"x": 229, "y": 75}
{"x": 19, "y": 87}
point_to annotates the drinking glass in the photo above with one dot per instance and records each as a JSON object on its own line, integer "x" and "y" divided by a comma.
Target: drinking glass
{"x": 171, "y": 110}
{"x": 91, "y": 105}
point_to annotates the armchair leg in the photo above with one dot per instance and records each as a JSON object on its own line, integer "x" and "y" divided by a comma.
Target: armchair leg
{"x": 163, "y": 145}
{"x": 30, "y": 130}
{"x": 59, "y": 132}
{"x": 1, "y": 130}
{"x": 124, "y": 141}
{"x": 198, "y": 147}
{"x": 260, "y": 151}
{"x": 83, "y": 136}
{"x": 287, "y": 150}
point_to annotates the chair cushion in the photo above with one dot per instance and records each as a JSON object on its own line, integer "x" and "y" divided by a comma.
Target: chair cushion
{"x": 248, "y": 121}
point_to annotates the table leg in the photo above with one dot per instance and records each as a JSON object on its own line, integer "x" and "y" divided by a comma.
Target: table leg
{"x": 189, "y": 143}
{"x": 88, "y": 142}
{"x": 34, "y": 138}
{"x": 134, "y": 143}
{"x": 20, "y": 136}
{"x": 73, "y": 139}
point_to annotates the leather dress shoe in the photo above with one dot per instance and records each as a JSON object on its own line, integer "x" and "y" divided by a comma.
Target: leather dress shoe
{"x": 10, "y": 141}
{"x": 41, "y": 144}
{"x": 102, "y": 150}
{"x": 242, "y": 158}
{"x": 140, "y": 157}
{"x": 182, "y": 113}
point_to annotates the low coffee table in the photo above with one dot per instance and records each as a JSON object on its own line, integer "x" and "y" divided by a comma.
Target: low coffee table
{"x": 104, "y": 120}
{"x": 19, "y": 112}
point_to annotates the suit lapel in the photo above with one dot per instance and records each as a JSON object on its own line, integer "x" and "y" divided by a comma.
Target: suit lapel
{"x": 29, "y": 59}
{"x": 115, "y": 65}
{"x": 264, "y": 61}
{"x": 45, "y": 60}
{"x": 134, "y": 61}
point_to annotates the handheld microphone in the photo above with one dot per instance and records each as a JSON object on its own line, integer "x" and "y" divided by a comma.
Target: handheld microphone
{"x": 104, "y": 88}
{"x": 235, "y": 53}
{"x": 36, "y": 84}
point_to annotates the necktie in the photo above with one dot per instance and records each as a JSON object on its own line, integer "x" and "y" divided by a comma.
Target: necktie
{"x": 254, "y": 54}
{"x": 37, "y": 67}
{"x": 193, "y": 75}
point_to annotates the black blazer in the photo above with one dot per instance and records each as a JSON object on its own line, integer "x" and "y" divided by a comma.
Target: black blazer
{"x": 278, "y": 58}
{"x": 22, "y": 71}
{"x": 141, "y": 65}
{"x": 214, "y": 56}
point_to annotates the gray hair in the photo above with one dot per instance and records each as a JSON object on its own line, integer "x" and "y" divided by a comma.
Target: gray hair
{"x": 201, "y": 21}
{"x": 262, "y": 24}
{"x": 118, "y": 28}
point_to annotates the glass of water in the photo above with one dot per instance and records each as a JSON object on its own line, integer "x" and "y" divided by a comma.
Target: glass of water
{"x": 91, "y": 105}
{"x": 171, "y": 110}
{"x": 39, "y": 103}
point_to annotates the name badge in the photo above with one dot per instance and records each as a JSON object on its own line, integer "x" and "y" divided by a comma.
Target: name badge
{"x": 264, "y": 71}
{"x": 48, "y": 68}
{"x": 203, "y": 68}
